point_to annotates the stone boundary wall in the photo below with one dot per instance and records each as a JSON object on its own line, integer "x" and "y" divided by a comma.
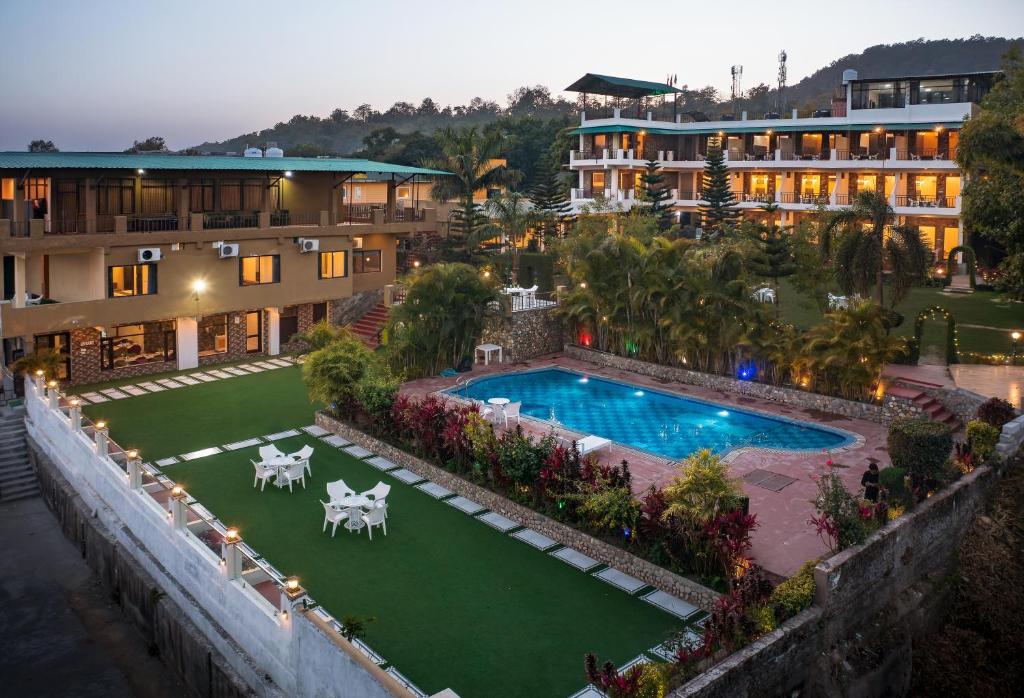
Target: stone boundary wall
{"x": 525, "y": 334}
{"x": 161, "y": 622}
{"x": 606, "y": 553}
{"x": 1011, "y": 438}
{"x": 890, "y": 408}
{"x": 345, "y": 311}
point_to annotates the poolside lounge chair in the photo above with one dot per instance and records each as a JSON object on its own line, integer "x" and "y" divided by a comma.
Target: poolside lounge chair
{"x": 263, "y": 473}
{"x": 334, "y": 516}
{"x": 591, "y": 443}
{"x": 375, "y": 517}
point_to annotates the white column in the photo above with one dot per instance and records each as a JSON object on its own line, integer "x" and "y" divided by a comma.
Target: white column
{"x": 187, "y": 344}
{"x": 613, "y": 184}
{"x": 273, "y": 331}
{"x": 19, "y": 282}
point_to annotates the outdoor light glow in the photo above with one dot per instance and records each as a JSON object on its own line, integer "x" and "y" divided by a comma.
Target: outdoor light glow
{"x": 199, "y": 285}
{"x": 287, "y": 173}
{"x": 132, "y": 454}
{"x": 39, "y": 372}
{"x": 639, "y": 393}
{"x": 74, "y": 402}
{"x": 723, "y": 413}
{"x": 487, "y": 274}
{"x": 101, "y": 424}
{"x": 231, "y": 535}
{"x": 1015, "y": 336}
{"x": 177, "y": 491}
{"x": 141, "y": 171}
{"x": 416, "y": 264}
{"x": 292, "y": 583}
{"x": 878, "y": 129}
{"x": 584, "y": 379}
{"x": 52, "y": 384}
{"x": 583, "y": 284}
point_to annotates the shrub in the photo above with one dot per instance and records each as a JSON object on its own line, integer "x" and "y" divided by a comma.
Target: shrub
{"x": 841, "y": 520}
{"x": 376, "y": 391}
{"x": 893, "y": 480}
{"x": 518, "y": 456}
{"x": 702, "y": 490}
{"x": 794, "y": 594}
{"x": 982, "y": 437}
{"x": 996, "y": 412}
{"x": 922, "y": 448}
{"x": 331, "y": 373}
{"x": 611, "y": 509}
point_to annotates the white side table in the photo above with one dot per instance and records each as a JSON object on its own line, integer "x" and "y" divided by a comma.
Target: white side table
{"x": 487, "y": 350}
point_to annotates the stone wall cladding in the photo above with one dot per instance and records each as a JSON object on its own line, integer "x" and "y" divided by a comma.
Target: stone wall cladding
{"x": 1011, "y": 438}
{"x": 525, "y": 334}
{"x": 345, "y": 311}
{"x": 85, "y": 361}
{"x": 162, "y": 624}
{"x": 606, "y": 553}
{"x": 890, "y": 408}
{"x": 236, "y": 342}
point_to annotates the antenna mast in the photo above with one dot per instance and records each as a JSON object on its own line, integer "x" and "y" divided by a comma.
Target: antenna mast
{"x": 737, "y": 77}
{"x": 782, "y": 81}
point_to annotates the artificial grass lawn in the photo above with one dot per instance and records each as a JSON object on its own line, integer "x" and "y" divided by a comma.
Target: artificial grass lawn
{"x": 457, "y": 604}
{"x": 978, "y": 308}
{"x": 186, "y": 419}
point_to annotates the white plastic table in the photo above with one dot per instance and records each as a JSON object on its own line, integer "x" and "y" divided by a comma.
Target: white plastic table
{"x": 498, "y": 401}
{"x": 353, "y": 502}
{"x": 281, "y": 464}
{"x": 487, "y": 350}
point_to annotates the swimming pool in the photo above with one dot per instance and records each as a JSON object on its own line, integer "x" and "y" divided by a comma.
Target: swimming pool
{"x": 645, "y": 419}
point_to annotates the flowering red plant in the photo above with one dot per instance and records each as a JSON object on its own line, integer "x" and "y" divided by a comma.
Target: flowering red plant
{"x": 827, "y": 530}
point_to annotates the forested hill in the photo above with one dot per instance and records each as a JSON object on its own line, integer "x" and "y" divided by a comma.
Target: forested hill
{"x": 343, "y": 132}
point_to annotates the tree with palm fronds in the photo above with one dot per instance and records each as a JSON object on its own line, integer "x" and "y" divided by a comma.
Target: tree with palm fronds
{"x": 49, "y": 361}
{"x": 870, "y": 242}
{"x": 473, "y": 159}
{"x": 443, "y": 314}
{"x": 509, "y": 217}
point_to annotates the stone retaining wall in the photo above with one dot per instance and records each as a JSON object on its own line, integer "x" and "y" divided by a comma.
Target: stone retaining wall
{"x": 1011, "y": 438}
{"x": 890, "y": 408}
{"x": 525, "y": 334}
{"x": 606, "y": 553}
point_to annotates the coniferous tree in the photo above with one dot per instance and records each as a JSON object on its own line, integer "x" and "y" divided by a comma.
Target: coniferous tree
{"x": 773, "y": 257}
{"x": 549, "y": 196}
{"x": 719, "y": 210}
{"x": 656, "y": 195}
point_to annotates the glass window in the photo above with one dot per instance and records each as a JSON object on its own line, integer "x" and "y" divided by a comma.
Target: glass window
{"x": 936, "y": 92}
{"x": 332, "y": 265}
{"x": 365, "y": 261}
{"x": 213, "y": 335}
{"x": 131, "y": 345}
{"x": 265, "y": 269}
{"x": 878, "y": 95}
{"x": 131, "y": 280}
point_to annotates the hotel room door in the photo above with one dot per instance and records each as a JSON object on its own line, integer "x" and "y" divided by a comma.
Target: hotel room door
{"x": 254, "y": 332}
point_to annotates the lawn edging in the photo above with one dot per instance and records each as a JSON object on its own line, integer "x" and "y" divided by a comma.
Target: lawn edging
{"x": 658, "y": 577}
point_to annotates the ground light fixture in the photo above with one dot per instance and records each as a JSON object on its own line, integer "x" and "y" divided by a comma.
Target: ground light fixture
{"x": 177, "y": 491}
{"x": 416, "y": 264}
{"x": 287, "y": 173}
{"x": 231, "y": 536}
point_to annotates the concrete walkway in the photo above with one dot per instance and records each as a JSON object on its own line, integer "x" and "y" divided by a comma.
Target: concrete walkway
{"x": 62, "y": 634}
{"x": 1006, "y": 382}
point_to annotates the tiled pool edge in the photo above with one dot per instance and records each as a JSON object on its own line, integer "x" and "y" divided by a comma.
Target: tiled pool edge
{"x": 605, "y": 553}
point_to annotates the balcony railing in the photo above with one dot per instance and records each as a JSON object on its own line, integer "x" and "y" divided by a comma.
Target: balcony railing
{"x": 152, "y": 224}
{"x": 759, "y": 198}
{"x": 585, "y": 155}
{"x": 926, "y": 201}
{"x": 358, "y": 213}
{"x": 226, "y": 221}
{"x": 792, "y": 197}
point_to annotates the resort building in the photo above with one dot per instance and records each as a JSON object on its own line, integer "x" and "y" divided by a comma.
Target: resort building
{"x": 895, "y": 135}
{"x": 135, "y": 264}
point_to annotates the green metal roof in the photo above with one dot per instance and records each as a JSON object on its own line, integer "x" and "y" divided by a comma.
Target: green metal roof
{"x": 619, "y": 87}
{"x": 775, "y": 126}
{"x": 120, "y": 161}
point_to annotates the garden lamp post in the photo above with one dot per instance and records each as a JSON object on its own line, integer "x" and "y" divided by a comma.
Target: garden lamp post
{"x": 1014, "y": 340}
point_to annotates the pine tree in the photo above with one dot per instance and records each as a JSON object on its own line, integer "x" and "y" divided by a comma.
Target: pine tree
{"x": 719, "y": 211}
{"x": 550, "y": 198}
{"x": 656, "y": 195}
{"x": 773, "y": 258}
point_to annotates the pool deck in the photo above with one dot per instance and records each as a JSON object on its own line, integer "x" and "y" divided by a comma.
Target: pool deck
{"x": 785, "y": 539}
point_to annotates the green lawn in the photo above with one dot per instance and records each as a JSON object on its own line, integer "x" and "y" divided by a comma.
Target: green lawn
{"x": 457, "y": 604}
{"x": 979, "y": 308}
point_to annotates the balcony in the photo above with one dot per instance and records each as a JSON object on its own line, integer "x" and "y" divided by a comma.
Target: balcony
{"x": 927, "y": 201}
{"x": 806, "y": 199}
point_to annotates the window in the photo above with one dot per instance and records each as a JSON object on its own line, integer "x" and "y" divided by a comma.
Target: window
{"x": 35, "y": 188}
{"x": 131, "y": 280}
{"x": 365, "y": 261}
{"x": 132, "y": 345}
{"x": 230, "y": 195}
{"x": 878, "y": 95}
{"x": 157, "y": 196}
{"x": 115, "y": 197}
{"x": 332, "y": 265}
{"x": 213, "y": 335}
{"x": 253, "y": 271}
{"x": 200, "y": 198}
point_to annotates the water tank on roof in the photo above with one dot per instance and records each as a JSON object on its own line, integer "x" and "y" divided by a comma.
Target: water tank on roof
{"x": 253, "y": 153}
{"x": 849, "y": 75}
{"x": 274, "y": 152}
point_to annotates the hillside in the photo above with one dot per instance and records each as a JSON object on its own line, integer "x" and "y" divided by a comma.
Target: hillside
{"x": 342, "y": 132}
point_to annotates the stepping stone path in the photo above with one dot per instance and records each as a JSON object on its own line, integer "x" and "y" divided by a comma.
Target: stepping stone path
{"x": 466, "y": 505}
{"x": 496, "y": 520}
{"x": 234, "y": 371}
{"x": 168, "y": 383}
{"x": 204, "y": 377}
{"x": 133, "y": 390}
{"x": 94, "y": 397}
{"x": 280, "y": 362}
{"x": 167, "y": 461}
{"x": 534, "y": 538}
{"x": 575, "y": 558}
{"x": 315, "y": 430}
{"x": 336, "y": 441}
{"x": 242, "y": 444}
{"x": 671, "y": 604}
{"x": 187, "y": 380}
{"x": 434, "y": 490}
{"x": 588, "y": 692}
{"x": 380, "y": 463}
{"x": 202, "y": 453}
{"x": 152, "y": 387}
{"x": 220, "y": 374}
{"x": 114, "y": 393}
{"x": 406, "y": 476}
{"x": 357, "y": 451}
{"x": 281, "y": 435}
{"x": 619, "y": 579}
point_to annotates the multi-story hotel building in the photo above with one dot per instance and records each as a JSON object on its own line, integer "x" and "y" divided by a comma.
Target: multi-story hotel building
{"x": 897, "y": 136}
{"x": 135, "y": 264}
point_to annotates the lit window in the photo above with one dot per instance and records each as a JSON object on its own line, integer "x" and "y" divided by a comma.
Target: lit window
{"x": 131, "y": 280}
{"x": 366, "y": 261}
{"x": 254, "y": 271}
{"x": 332, "y": 265}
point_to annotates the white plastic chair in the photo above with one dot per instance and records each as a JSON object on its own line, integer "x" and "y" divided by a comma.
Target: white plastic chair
{"x": 263, "y": 472}
{"x": 486, "y": 411}
{"x": 375, "y": 517}
{"x": 302, "y": 456}
{"x": 269, "y": 452}
{"x": 379, "y": 495}
{"x": 512, "y": 410}
{"x": 334, "y": 516}
{"x": 338, "y": 490}
{"x": 295, "y": 473}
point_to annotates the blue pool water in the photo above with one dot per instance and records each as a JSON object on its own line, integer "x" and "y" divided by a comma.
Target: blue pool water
{"x": 645, "y": 419}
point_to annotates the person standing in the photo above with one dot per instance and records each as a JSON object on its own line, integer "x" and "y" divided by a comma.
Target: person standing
{"x": 869, "y": 481}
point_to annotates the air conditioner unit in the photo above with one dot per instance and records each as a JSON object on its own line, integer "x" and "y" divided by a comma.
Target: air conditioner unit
{"x": 149, "y": 254}
{"x": 308, "y": 245}
{"x": 227, "y": 249}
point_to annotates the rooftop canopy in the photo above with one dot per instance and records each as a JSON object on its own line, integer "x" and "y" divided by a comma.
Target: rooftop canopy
{"x": 119, "y": 161}
{"x": 593, "y": 84}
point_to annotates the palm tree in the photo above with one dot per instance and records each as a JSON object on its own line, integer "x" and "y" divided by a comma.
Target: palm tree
{"x": 864, "y": 249}
{"x": 48, "y": 361}
{"x": 510, "y": 218}
{"x": 473, "y": 159}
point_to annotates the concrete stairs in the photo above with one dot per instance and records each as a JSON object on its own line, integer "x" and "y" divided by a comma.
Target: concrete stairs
{"x": 424, "y": 245}
{"x": 929, "y": 405}
{"x": 368, "y": 327}
{"x": 17, "y": 479}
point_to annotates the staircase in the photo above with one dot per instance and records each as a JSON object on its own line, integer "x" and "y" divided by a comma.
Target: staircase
{"x": 423, "y": 246}
{"x": 17, "y": 479}
{"x": 929, "y": 405}
{"x": 368, "y": 327}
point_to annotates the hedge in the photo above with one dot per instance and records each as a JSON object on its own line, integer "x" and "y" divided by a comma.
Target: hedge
{"x": 921, "y": 447}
